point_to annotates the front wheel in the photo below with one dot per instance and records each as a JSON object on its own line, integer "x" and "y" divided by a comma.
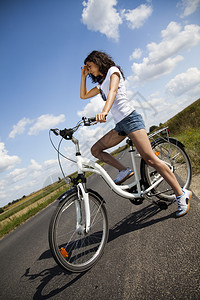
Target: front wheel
{"x": 73, "y": 248}
{"x": 173, "y": 154}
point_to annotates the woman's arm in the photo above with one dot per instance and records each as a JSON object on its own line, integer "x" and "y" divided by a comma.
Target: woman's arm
{"x": 84, "y": 94}
{"x": 114, "y": 84}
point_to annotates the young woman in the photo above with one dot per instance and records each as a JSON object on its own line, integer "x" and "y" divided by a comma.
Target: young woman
{"x": 111, "y": 85}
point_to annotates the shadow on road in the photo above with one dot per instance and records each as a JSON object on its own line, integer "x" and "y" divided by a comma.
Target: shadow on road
{"x": 52, "y": 281}
{"x": 137, "y": 221}
{"x": 63, "y": 281}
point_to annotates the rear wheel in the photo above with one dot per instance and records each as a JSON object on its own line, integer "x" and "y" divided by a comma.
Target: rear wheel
{"x": 175, "y": 156}
{"x": 73, "y": 248}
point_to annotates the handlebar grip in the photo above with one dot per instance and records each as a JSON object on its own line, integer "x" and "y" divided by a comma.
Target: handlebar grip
{"x": 88, "y": 121}
{"x": 92, "y": 119}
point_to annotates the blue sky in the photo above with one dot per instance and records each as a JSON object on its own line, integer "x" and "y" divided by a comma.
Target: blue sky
{"x": 43, "y": 45}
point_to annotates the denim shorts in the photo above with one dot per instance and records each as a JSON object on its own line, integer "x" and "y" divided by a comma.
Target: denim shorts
{"x": 131, "y": 123}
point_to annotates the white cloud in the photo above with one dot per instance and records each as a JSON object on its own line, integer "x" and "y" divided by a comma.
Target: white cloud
{"x": 50, "y": 163}
{"x": 184, "y": 82}
{"x": 45, "y": 122}
{"x": 2, "y": 189}
{"x": 42, "y": 123}
{"x": 194, "y": 92}
{"x": 189, "y": 7}
{"x": 100, "y": 15}
{"x": 92, "y": 108}
{"x": 137, "y": 53}
{"x": 2, "y": 194}
{"x": 34, "y": 170}
{"x": 91, "y": 135}
{"x": 17, "y": 175}
{"x": 19, "y": 128}
{"x": 174, "y": 40}
{"x": 136, "y": 17}
{"x": 21, "y": 181}
{"x": 150, "y": 71}
{"x": 34, "y": 165}
{"x": 163, "y": 58}
{"x": 6, "y": 161}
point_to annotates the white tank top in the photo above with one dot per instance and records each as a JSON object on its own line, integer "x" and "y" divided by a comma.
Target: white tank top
{"x": 121, "y": 107}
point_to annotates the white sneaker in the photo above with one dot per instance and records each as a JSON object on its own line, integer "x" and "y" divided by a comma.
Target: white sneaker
{"x": 123, "y": 175}
{"x": 183, "y": 202}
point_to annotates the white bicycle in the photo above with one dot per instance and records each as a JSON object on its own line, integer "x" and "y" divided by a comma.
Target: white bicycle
{"x": 78, "y": 230}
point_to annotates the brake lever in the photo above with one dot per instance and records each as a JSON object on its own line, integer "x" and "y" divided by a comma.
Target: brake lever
{"x": 56, "y": 131}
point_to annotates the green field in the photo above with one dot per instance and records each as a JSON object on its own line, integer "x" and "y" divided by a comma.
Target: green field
{"x": 185, "y": 126}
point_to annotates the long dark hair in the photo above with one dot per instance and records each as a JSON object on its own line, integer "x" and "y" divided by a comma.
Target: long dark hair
{"x": 104, "y": 62}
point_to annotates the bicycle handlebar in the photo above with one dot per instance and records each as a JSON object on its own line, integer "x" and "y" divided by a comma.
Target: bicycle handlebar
{"x": 67, "y": 133}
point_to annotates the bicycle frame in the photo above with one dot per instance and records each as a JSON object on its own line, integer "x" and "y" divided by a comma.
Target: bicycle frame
{"x": 129, "y": 191}
{"x": 79, "y": 229}
{"x": 86, "y": 165}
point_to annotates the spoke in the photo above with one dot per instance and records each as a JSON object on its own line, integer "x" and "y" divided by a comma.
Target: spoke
{"x": 92, "y": 223}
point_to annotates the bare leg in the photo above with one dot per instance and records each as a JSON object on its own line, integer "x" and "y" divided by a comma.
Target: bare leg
{"x": 142, "y": 143}
{"x": 109, "y": 140}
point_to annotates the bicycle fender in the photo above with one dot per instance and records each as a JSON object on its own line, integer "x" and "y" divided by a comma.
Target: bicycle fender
{"x": 175, "y": 141}
{"x": 171, "y": 139}
{"x": 97, "y": 194}
{"x": 66, "y": 194}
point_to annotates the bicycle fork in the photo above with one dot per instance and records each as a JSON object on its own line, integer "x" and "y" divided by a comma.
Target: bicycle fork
{"x": 82, "y": 196}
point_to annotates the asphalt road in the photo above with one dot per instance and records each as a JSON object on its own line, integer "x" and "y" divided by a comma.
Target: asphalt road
{"x": 149, "y": 255}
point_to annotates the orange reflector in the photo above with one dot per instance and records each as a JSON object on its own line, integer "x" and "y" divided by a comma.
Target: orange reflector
{"x": 64, "y": 252}
{"x": 157, "y": 153}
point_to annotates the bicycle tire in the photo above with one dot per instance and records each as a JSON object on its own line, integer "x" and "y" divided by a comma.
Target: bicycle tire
{"x": 175, "y": 156}
{"x": 83, "y": 249}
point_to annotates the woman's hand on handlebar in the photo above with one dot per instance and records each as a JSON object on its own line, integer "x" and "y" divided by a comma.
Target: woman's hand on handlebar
{"x": 101, "y": 117}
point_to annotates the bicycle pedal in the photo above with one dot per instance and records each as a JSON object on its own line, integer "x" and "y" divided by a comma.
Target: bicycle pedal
{"x": 162, "y": 205}
{"x": 136, "y": 201}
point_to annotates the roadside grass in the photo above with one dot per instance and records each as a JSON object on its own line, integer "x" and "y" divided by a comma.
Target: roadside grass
{"x": 185, "y": 126}
{"x": 191, "y": 141}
